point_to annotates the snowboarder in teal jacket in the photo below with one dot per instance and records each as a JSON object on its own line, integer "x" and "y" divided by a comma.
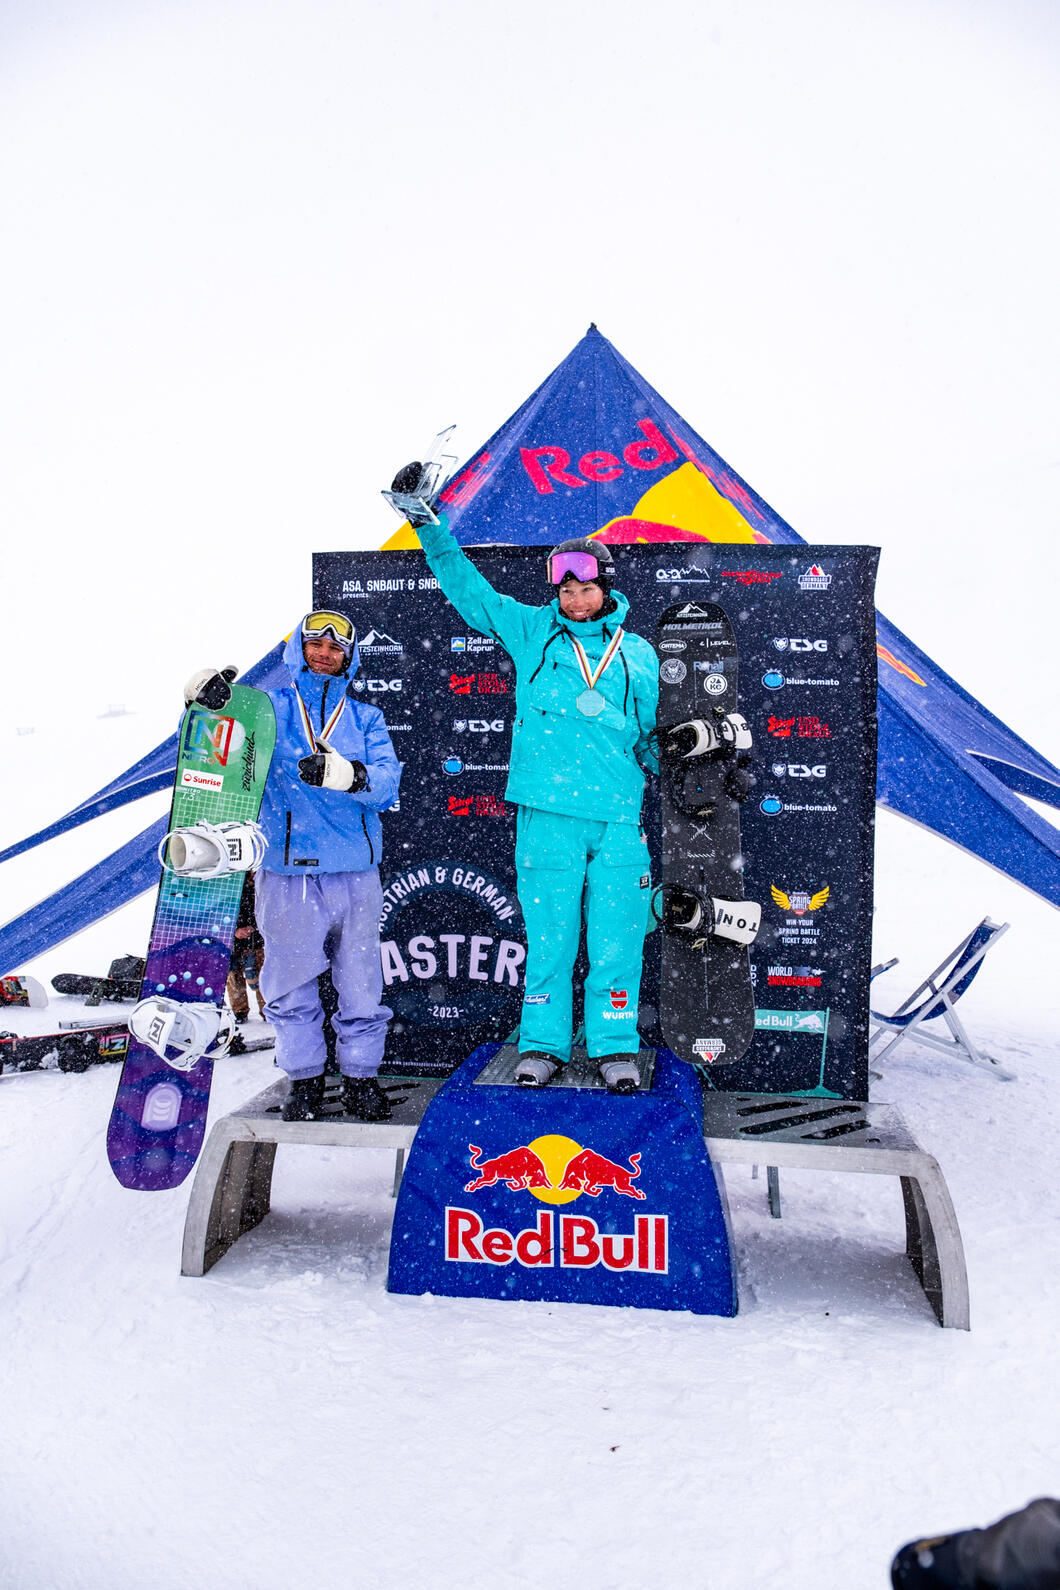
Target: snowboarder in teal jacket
{"x": 586, "y": 694}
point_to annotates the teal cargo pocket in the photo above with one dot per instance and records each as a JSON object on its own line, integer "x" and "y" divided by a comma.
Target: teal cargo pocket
{"x": 543, "y": 840}
{"x": 624, "y": 846}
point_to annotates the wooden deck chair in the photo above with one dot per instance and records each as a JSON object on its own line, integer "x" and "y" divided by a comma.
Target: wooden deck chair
{"x": 942, "y": 990}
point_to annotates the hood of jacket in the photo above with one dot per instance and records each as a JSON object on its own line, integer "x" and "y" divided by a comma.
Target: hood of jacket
{"x": 311, "y": 685}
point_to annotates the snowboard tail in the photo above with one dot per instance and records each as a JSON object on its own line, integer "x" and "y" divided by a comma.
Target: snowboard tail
{"x": 159, "y": 1117}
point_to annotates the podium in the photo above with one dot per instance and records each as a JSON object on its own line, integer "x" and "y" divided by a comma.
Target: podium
{"x": 564, "y": 1194}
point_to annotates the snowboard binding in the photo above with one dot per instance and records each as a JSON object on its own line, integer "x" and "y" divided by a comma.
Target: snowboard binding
{"x": 727, "y": 740}
{"x": 702, "y": 919}
{"x": 207, "y": 850}
{"x": 182, "y": 1034}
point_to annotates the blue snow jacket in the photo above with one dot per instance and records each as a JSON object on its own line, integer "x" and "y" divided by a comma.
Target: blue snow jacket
{"x": 325, "y": 830}
{"x": 561, "y": 761}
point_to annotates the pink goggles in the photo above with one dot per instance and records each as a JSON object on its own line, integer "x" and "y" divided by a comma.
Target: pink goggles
{"x": 582, "y": 565}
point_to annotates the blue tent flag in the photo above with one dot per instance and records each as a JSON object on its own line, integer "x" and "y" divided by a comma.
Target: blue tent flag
{"x": 596, "y": 451}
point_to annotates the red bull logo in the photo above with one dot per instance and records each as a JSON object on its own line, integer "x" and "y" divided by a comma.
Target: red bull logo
{"x": 557, "y": 1170}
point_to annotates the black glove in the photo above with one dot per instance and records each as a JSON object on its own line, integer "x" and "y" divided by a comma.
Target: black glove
{"x": 208, "y": 688}
{"x": 406, "y": 482}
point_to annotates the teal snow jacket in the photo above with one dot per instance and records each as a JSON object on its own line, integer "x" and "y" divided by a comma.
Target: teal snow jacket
{"x": 561, "y": 761}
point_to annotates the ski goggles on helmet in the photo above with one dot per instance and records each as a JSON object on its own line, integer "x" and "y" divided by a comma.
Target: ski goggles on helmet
{"x": 583, "y": 566}
{"x": 329, "y": 626}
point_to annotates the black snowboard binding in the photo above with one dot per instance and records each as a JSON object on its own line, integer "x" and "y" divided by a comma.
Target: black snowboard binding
{"x": 725, "y": 738}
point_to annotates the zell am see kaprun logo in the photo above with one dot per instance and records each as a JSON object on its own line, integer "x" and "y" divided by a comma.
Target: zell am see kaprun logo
{"x": 556, "y": 1170}
{"x": 471, "y": 643}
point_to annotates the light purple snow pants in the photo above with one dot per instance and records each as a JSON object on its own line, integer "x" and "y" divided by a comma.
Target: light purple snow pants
{"x": 310, "y": 923}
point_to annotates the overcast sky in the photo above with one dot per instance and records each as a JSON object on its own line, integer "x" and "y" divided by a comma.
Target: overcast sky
{"x": 254, "y": 254}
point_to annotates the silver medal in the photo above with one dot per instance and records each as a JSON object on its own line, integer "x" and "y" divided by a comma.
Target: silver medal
{"x": 590, "y": 703}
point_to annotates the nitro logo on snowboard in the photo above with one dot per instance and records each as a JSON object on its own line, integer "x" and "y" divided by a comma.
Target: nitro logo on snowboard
{"x": 211, "y": 740}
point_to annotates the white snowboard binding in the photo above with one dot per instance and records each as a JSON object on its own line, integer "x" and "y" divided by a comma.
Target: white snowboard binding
{"x": 206, "y": 850}
{"x": 180, "y": 1034}
{"x": 417, "y": 502}
{"x": 736, "y": 920}
{"x": 699, "y": 737}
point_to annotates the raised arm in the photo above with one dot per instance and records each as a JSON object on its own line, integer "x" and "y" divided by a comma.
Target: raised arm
{"x": 479, "y": 605}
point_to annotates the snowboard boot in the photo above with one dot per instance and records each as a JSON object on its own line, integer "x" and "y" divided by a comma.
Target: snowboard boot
{"x": 305, "y": 1100}
{"x": 364, "y": 1099}
{"x": 536, "y": 1069}
{"x": 621, "y": 1073}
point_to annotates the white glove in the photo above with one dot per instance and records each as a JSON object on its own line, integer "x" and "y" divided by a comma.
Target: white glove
{"x": 328, "y": 769}
{"x": 208, "y": 687}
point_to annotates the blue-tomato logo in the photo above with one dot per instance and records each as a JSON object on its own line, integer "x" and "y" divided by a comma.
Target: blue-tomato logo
{"x": 452, "y": 765}
{"x": 773, "y": 680}
{"x": 772, "y": 805}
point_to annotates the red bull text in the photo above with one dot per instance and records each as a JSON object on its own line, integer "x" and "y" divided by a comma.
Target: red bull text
{"x": 574, "y": 1242}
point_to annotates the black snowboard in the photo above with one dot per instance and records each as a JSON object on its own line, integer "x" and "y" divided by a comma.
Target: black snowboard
{"x": 121, "y": 982}
{"x": 707, "y": 1006}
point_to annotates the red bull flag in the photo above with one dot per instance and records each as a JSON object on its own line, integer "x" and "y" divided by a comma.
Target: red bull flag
{"x": 596, "y": 451}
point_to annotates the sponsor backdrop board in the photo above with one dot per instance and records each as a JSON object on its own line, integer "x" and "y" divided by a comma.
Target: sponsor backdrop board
{"x": 452, "y": 938}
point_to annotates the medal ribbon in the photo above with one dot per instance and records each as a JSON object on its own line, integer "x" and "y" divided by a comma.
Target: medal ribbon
{"x": 589, "y": 674}
{"x": 308, "y": 727}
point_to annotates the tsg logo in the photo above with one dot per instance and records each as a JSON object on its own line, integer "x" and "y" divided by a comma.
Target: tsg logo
{"x": 799, "y": 770}
{"x": 783, "y": 643}
{"x": 479, "y": 725}
{"x": 376, "y": 686}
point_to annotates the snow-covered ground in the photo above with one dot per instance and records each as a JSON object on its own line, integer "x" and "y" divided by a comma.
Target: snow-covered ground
{"x": 285, "y": 1420}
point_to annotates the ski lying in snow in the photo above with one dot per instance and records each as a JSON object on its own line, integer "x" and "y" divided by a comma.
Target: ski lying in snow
{"x": 707, "y": 1005}
{"x": 178, "y": 1027}
{"x": 24, "y": 991}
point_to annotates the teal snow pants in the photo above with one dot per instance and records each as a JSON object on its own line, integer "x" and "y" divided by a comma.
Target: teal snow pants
{"x": 559, "y": 860}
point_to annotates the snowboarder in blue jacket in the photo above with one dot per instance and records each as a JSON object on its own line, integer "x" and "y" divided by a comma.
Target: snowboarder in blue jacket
{"x": 318, "y": 895}
{"x": 587, "y": 692}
